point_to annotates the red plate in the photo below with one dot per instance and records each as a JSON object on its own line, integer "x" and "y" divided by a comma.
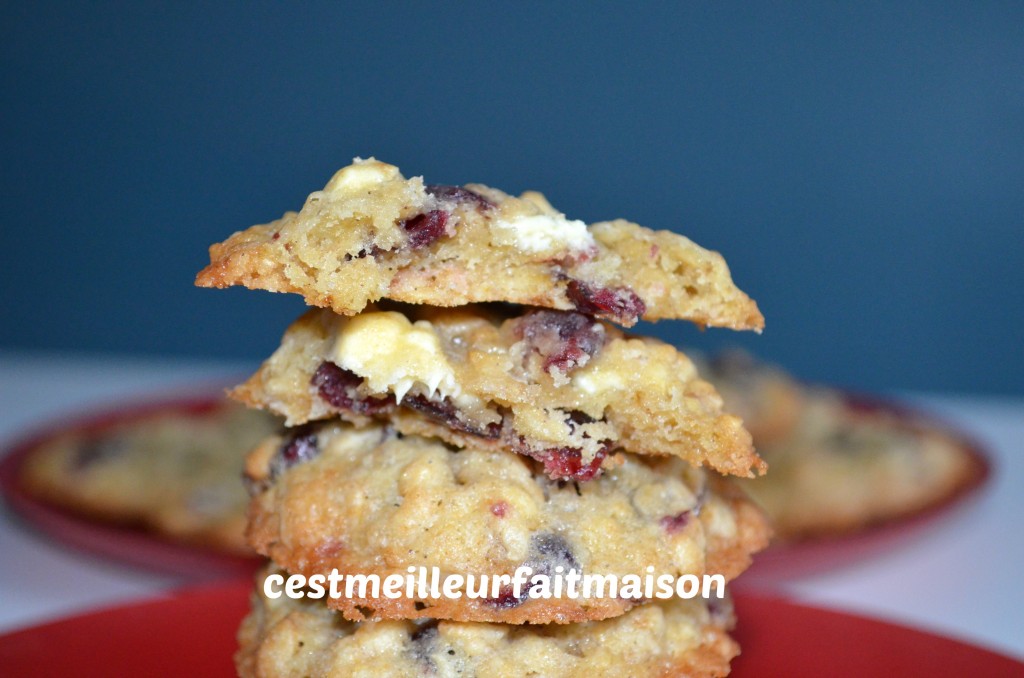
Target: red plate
{"x": 785, "y": 562}
{"x": 193, "y": 634}
{"x": 133, "y": 545}
{"x": 146, "y": 549}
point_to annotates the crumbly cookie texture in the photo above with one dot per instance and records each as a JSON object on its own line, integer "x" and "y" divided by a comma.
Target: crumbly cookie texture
{"x": 372, "y": 501}
{"x": 174, "y": 473}
{"x": 372, "y": 234}
{"x": 557, "y": 386}
{"x": 843, "y": 468}
{"x": 283, "y": 637}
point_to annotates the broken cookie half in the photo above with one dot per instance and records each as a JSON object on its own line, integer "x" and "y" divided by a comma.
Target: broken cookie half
{"x": 560, "y": 387}
{"x": 372, "y": 234}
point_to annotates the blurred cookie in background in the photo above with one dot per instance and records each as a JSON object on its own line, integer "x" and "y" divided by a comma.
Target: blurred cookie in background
{"x": 836, "y": 464}
{"x": 175, "y": 472}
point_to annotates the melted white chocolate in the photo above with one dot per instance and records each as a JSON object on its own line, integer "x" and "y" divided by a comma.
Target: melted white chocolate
{"x": 392, "y": 354}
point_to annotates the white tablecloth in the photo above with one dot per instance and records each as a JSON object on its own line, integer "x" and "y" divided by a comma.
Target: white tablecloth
{"x": 965, "y": 579}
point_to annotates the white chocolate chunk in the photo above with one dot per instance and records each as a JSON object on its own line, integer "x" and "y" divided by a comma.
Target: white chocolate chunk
{"x": 361, "y": 175}
{"x": 542, "y": 233}
{"x": 391, "y": 353}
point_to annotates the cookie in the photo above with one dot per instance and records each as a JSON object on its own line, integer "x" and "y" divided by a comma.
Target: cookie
{"x": 768, "y": 399}
{"x": 175, "y": 473}
{"x": 845, "y": 468}
{"x": 372, "y": 234}
{"x": 303, "y": 638}
{"x": 557, "y": 386}
{"x": 373, "y": 501}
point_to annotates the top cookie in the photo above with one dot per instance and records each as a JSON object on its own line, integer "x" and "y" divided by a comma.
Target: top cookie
{"x": 372, "y": 234}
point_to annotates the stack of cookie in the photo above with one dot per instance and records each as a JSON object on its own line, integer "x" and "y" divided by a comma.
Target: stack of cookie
{"x": 462, "y": 399}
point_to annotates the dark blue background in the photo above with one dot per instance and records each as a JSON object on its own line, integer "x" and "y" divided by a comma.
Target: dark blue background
{"x": 861, "y": 168}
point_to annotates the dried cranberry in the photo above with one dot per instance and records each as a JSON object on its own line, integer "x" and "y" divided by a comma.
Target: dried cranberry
{"x": 564, "y": 340}
{"x": 301, "y": 446}
{"x": 424, "y": 229}
{"x": 548, "y": 551}
{"x": 617, "y": 303}
{"x": 676, "y": 523}
{"x": 458, "y": 194}
{"x": 506, "y": 597}
{"x": 445, "y": 412}
{"x": 566, "y": 463}
{"x": 339, "y": 387}
{"x": 578, "y": 418}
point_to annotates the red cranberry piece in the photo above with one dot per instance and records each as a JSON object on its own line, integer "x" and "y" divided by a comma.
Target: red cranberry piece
{"x": 564, "y": 340}
{"x": 339, "y": 387}
{"x": 676, "y": 523}
{"x": 500, "y": 509}
{"x": 620, "y": 304}
{"x": 424, "y": 229}
{"x": 566, "y": 463}
{"x": 445, "y": 412}
{"x": 506, "y": 597}
{"x": 301, "y": 446}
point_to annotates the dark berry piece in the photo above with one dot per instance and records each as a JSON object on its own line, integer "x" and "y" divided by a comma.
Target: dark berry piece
{"x": 424, "y": 644}
{"x": 676, "y": 523}
{"x": 506, "y": 597}
{"x": 578, "y": 417}
{"x": 458, "y": 194}
{"x": 549, "y": 550}
{"x": 426, "y": 632}
{"x": 445, "y": 412}
{"x": 301, "y": 446}
{"x": 340, "y": 388}
{"x": 566, "y": 463}
{"x": 564, "y": 340}
{"x": 618, "y": 303}
{"x": 424, "y": 229}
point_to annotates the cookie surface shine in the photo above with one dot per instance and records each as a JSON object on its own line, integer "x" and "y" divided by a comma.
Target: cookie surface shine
{"x": 286, "y": 637}
{"x": 372, "y": 234}
{"x": 557, "y": 386}
{"x": 370, "y": 501}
